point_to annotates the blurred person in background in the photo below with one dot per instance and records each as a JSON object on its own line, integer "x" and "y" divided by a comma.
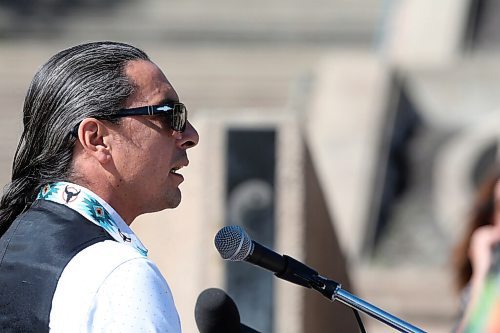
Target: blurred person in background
{"x": 104, "y": 135}
{"x": 477, "y": 264}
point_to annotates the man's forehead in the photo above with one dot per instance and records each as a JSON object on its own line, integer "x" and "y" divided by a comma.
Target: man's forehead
{"x": 151, "y": 86}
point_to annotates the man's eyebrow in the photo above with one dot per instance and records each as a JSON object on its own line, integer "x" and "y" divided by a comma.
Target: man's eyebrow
{"x": 169, "y": 101}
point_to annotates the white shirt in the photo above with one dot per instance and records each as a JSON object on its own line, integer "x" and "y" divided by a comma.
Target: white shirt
{"x": 110, "y": 286}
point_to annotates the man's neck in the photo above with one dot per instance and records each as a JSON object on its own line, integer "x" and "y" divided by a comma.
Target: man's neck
{"x": 112, "y": 197}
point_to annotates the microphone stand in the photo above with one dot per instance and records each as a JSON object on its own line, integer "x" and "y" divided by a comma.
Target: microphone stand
{"x": 297, "y": 272}
{"x": 371, "y": 310}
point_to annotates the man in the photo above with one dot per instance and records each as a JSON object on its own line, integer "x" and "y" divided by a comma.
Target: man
{"x": 104, "y": 136}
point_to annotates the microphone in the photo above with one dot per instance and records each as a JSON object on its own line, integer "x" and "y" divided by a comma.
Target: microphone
{"x": 234, "y": 244}
{"x": 216, "y": 312}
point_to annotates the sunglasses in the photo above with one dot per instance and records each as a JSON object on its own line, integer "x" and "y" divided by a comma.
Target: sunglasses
{"x": 174, "y": 112}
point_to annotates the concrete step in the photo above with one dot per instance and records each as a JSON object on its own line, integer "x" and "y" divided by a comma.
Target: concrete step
{"x": 219, "y": 21}
{"x": 422, "y": 296}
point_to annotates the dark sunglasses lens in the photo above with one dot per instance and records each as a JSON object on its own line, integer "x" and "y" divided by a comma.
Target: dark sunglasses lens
{"x": 179, "y": 118}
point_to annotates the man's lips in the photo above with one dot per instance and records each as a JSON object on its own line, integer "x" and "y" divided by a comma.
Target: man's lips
{"x": 175, "y": 169}
{"x": 178, "y": 167}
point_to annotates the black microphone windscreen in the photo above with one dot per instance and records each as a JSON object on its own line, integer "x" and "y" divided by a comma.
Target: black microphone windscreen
{"x": 233, "y": 243}
{"x": 216, "y": 312}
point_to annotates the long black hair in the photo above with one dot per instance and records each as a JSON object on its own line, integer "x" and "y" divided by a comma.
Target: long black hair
{"x": 86, "y": 80}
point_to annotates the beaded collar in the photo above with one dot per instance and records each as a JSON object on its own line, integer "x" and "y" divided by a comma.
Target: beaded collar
{"x": 95, "y": 209}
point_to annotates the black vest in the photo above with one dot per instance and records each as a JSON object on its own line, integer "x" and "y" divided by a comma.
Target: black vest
{"x": 33, "y": 253}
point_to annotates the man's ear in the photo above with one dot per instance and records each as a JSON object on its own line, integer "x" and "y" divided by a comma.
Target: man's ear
{"x": 94, "y": 137}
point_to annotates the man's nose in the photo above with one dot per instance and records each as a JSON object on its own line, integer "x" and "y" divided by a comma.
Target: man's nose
{"x": 189, "y": 137}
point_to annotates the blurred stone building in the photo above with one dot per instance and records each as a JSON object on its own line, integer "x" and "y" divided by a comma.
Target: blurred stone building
{"x": 379, "y": 118}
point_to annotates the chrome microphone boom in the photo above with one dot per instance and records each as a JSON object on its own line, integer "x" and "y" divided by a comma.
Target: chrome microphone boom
{"x": 234, "y": 244}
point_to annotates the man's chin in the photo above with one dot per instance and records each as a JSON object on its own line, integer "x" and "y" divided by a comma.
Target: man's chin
{"x": 173, "y": 200}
